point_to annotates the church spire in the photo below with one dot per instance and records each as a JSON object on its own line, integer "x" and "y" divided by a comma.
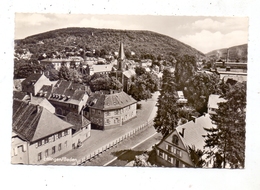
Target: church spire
{"x": 121, "y": 58}
{"x": 121, "y": 51}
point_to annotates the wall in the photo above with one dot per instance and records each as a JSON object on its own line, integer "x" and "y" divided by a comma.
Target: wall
{"x": 81, "y": 135}
{"x": 19, "y": 153}
{"x": 120, "y": 116}
{"x": 43, "y": 80}
{"x": 34, "y": 149}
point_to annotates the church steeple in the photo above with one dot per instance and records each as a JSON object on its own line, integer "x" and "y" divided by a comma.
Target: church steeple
{"x": 121, "y": 57}
{"x": 121, "y": 51}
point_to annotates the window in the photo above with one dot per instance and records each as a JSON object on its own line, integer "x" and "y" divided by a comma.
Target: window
{"x": 175, "y": 139}
{"x": 46, "y": 153}
{"x": 108, "y": 121}
{"x": 169, "y": 148}
{"x": 99, "y": 112}
{"x": 178, "y": 152}
{"x": 39, "y": 156}
{"x": 66, "y": 143}
{"x": 53, "y": 150}
{"x": 59, "y": 135}
{"x": 40, "y": 143}
{"x": 65, "y": 132}
{"x": 46, "y": 140}
{"x": 20, "y": 148}
{"x": 15, "y": 151}
{"x": 160, "y": 153}
{"x": 116, "y": 112}
{"x": 169, "y": 159}
{"x": 59, "y": 147}
{"x": 107, "y": 113}
{"x": 116, "y": 120}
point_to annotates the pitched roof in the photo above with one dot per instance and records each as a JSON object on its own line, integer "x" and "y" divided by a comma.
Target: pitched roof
{"x": 76, "y": 120}
{"x": 33, "y": 122}
{"x": 41, "y": 101}
{"x": 193, "y": 131}
{"x": 129, "y": 73}
{"x": 110, "y": 101}
{"x": 65, "y": 91}
{"x": 19, "y": 95}
{"x": 214, "y": 99}
{"x": 102, "y": 68}
{"x": 32, "y": 79}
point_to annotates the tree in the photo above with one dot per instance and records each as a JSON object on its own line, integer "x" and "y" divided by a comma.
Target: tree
{"x": 138, "y": 90}
{"x": 99, "y": 82}
{"x": 75, "y": 76}
{"x": 64, "y": 73}
{"x": 52, "y": 74}
{"x": 226, "y": 141}
{"x": 140, "y": 71}
{"x": 24, "y": 71}
{"x": 185, "y": 67}
{"x": 143, "y": 85}
{"x": 198, "y": 88}
{"x": 196, "y": 157}
{"x": 167, "y": 116}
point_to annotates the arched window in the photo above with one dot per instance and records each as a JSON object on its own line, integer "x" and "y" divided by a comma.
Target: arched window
{"x": 175, "y": 139}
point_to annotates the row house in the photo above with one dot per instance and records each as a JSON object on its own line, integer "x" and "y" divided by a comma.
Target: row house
{"x": 173, "y": 150}
{"x": 107, "y": 111}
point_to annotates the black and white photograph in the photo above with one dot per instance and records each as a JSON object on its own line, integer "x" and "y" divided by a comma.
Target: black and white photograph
{"x": 129, "y": 90}
{"x": 137, "y": 94}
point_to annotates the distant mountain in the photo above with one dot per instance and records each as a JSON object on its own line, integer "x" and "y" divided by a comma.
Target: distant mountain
{"x": 235, "y": 53}
{"x": 139, "y": 42}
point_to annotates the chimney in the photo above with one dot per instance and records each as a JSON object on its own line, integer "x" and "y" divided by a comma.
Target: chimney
{"x": 182, "y": 133}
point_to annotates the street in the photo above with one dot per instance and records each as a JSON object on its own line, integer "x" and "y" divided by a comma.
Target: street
{"x": 126, "y": 151}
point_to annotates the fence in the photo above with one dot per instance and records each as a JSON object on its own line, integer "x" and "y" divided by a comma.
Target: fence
{"x": 113, "y": 143}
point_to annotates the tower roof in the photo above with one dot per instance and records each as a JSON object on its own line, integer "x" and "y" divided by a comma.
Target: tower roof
{"x": 121, "y": 51}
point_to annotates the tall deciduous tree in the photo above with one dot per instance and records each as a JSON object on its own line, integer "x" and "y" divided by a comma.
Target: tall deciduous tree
{"x": 226, "y": 141}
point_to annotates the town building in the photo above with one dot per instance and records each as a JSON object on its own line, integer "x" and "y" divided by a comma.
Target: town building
{"x": 174, "y": 149}
{"x": 66, "y": 96}
{"x": 213, "y": 101}
{"x": 80, "y": 130}
{"x": 38, "y": 134}
{"x": 102, "y": 69}
{"x": 107, "y": 111}
{"x": 57, "y": 63}
{"x": 34, "y": 82}
{"x": 181, "y": 99}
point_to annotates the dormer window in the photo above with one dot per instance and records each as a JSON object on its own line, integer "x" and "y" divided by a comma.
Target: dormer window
{"x": 175, "y": 139}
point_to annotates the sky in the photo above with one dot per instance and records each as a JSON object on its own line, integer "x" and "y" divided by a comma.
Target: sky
{"x": 203, "y": 33}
